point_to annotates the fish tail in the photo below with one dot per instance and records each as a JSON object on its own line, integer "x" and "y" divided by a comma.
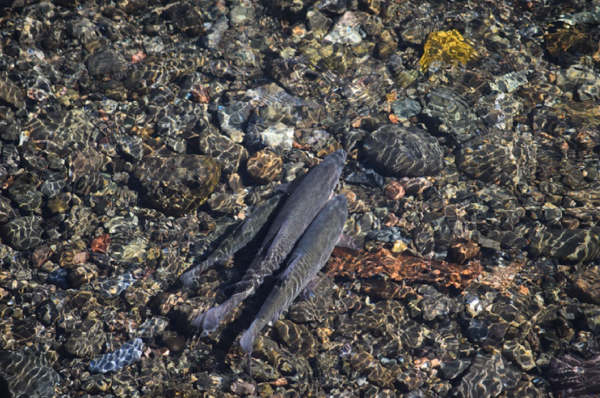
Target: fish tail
{"x": 247, "y": 339}
{"x": 189, "y": 279}
{"x": 210, "y": 320}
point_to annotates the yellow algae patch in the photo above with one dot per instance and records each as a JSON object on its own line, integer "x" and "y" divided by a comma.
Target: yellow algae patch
{"x": 446, "y": 46}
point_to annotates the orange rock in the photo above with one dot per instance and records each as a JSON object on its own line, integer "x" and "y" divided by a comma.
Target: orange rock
{"x": 394, "y": 190}
{"x": 404, "y": 268}
{"x": 100, "y": 244}
{"x": 265, "y": 166}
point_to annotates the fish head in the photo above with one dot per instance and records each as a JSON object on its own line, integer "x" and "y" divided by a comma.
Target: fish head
{"x": 338, "y": 157}
{"x": 340, "y": 204}
{"x": 329, "y": 170}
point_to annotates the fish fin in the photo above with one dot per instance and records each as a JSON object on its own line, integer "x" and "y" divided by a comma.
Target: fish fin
{"x": 311, "y": 286}
{"x": 247, "y": 339}
{"x": 189, "y": 279}
{"x": 350, "y": 242}
{"x": 197, "y": 321}
{"x": 307, "y": 293}
{"x": 276, "y": 317}
{"x": 265, "y": 246}
{"x": 285, "y": 188}
{"x": 294, "y": 259}
{"x": 249, "y": 365}
{"x": 289, "y": 187}
{"x": 211, "y": 319}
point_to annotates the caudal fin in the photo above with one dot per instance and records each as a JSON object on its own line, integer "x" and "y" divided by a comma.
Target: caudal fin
{"x": 210, "y": 320}
{"x": 191, "y": 278}
{"x": 247, "y": 339}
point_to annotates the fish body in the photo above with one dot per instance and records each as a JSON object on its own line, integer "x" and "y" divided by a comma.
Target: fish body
{"x": 307, "y": 259}
{"x": 240, "y": 237}
{"x": 298, "y": 211}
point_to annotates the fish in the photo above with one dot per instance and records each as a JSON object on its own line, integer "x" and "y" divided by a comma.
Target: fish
{"x": 308, "y": 257}
{"x": 244, "y": 233}
{"x": 298, "y": 211}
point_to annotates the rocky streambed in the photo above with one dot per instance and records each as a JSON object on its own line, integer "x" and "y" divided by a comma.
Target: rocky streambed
{"x": 135, "y": 135}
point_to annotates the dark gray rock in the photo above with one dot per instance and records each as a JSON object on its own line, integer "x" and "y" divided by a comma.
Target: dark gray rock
{"x": 400, "y": 151}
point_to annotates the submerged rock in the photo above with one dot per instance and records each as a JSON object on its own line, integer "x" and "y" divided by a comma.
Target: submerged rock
{"x": 404, "y": 152}
{"x": 178, "y": 184}
{"x": 25, "y": 374}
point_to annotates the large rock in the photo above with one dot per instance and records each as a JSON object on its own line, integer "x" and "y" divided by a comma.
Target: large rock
{"x": 401, "y": 151}
{"x": 177, "y": 184}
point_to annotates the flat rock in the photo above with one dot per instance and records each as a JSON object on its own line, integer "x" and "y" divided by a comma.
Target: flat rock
{"x": 177, "y": 184}
{"x": 400, "y": 151}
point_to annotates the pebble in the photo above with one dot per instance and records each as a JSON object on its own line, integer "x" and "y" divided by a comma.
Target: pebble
{"x": 26, "y": 374}
{"x": 23, "y": 233}
{"x": 129, "y": 353}
{"x": 265, "y": 166}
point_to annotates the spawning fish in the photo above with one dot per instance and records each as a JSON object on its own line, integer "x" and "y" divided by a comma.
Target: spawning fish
{"x": 309, "y": 256}
{"x": 240, "y": 237}
{"x": 290, "y": 223}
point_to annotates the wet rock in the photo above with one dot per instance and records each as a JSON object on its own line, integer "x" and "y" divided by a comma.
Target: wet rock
{"x": 487, "y": 377}
{"x": 112, "y": 287}
{"x": 87, "y": 341}
{"x": 90, "y": 37}
{"x": 23, "y": 192}
{"x": 450, "y": 114}
{"x": 242, "y": 13}
{"x": 582, "y": 79}
{"x": 434, "y": 305}
{"x": 46, "y": 312}
{"x": 520, "y": 354}
{"x": 277, "y": 136}
{"x": 587, "y": 284}
{"x": 26, "y": 374}
{"x": 498, "y": 158}
{"x": 178, "y": 184}
{"x": 297, "y": 337}
{"x": 575, "y": 376}
{"x": 23, "y": 233}
{"x": 510, "y": 82}
{"x": 592, "y": 317}
{"x": 186, "y": 17}
{"x": 232, "y": 118}
{"x": 82, "y": 274}
{"x": 576, "y": 245}
{"x": 265, "y": 166}
{"x": 59, "y": 277}
{"x": 400, "y": 151}
{"x": 152, "y": 327}
{"x": 106, "y": 63}
{"x": 7, "y": 213}
{"x": 318, "y": 23}
{"x": 368, "y": 177}
{"x": 448, "y": 47}
{"x": 394, "y": 190}
{"x": 129, "y": 353}
{"x": 452, "y": 369}
{"x": 11, "y": 94}
{"x": 228, "y": 154}
{"x": 131, "y": 146}
{"x": 406, "y": 108}
{"x": 53, "y": 185}
{"x": 346, "y": 30}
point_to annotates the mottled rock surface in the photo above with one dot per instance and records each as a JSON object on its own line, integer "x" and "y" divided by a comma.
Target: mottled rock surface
{"x": 403, "y": 152}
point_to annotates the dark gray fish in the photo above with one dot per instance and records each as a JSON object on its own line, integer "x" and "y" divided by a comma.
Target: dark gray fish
{"x": 307, "y": 259}
{"x": 299, "y": 210}
{"x": 240, "y": 237}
